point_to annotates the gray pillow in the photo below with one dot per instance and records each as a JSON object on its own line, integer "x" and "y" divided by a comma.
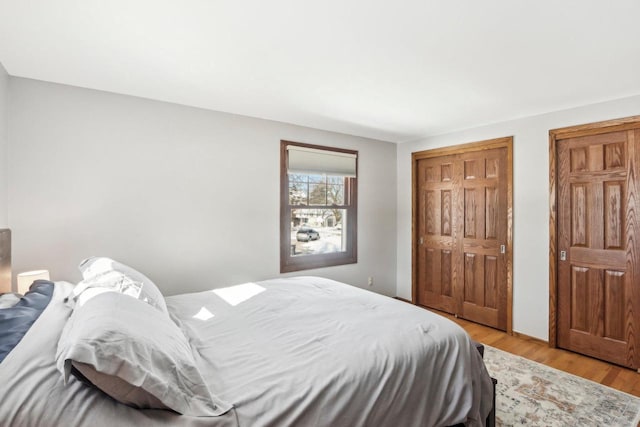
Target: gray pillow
{"x": 135, "y": 354}
{"x": 94, "y": 269}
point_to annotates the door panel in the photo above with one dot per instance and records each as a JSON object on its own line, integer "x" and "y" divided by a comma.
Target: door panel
{"x": 435, "y": 225}
{"x": 597, "y": 229}
{"x": 485, "y": 224}
{"x": 462, "y": 222}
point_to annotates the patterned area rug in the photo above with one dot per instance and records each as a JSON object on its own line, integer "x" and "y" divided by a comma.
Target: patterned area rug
{"x": 529, "y": 393}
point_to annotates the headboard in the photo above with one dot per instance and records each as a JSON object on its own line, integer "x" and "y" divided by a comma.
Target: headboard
{"x": 5, "y": 260}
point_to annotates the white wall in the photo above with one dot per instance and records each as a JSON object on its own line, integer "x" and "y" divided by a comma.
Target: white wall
{"x": 188, "y": 196}
{"x": 4, "y": 99}
{"x": 531, "y": 202}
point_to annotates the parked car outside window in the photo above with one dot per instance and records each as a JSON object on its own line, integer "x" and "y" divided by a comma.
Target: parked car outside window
{"x": 306, "y": 234}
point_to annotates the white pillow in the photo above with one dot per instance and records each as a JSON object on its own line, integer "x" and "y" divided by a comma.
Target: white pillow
{"x": 136, "y": 355}
{"x": 114, "y": 281}
{"x": 100, "y": 272}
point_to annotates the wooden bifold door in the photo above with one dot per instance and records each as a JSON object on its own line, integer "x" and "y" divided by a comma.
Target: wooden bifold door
{"x": 596, "y": 261}
{"x": 462, "y": 231}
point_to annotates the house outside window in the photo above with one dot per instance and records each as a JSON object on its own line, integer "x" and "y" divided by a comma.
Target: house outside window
{"x": 318, "y": 206}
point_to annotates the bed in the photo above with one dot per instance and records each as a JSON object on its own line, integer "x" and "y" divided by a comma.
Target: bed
{"x": 300, "y": 351}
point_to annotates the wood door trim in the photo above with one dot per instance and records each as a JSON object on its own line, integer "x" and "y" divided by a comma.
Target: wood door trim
{"x": 488, "y": 144}
{"x": 607, "y": 126}
{"x": 505, "y": 142}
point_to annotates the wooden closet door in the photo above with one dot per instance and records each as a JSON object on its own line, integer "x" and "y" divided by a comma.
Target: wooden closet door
{"x": 482, "y": 213}
{"x": 462, "y": 232}
{"x": 436, "y": 230}
{"x": 598, "y": 228}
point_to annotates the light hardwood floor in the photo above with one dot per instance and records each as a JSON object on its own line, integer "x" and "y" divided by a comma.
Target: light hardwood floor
{"x": 622, "y": 379}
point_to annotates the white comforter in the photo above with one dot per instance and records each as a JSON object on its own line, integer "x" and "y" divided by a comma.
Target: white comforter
{"x": 300, "y": 351}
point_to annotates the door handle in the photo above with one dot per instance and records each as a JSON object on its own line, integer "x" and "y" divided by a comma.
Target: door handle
{"x": 503, "y": 249}
{"x": 421, "y": 240}
{"x": 563, "y": 255}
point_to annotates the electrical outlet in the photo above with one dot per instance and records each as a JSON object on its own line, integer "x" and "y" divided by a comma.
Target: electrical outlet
{"x": 370, "y": 281}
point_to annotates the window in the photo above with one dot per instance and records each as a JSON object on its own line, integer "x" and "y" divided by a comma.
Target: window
{"x": 318, "y": 206}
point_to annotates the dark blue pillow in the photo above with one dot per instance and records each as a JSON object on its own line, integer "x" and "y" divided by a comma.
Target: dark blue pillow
{"x": 15, "y": 321}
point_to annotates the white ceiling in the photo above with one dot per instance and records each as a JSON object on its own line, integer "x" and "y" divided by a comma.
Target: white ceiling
{"x": 395, "y": 71}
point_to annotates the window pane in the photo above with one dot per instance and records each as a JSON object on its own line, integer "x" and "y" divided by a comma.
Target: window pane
{"x": 295, "y": 177}
{"x": 318, "y": 231}
{"x": 319, "y": 190}
{"x": 317, "y": 194}
{"x": 298, "y": 193}
{"x": 317, "y": 179}
{"x": 335, "y": 194}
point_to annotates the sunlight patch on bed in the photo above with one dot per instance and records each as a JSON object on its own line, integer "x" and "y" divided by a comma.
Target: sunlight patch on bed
{"x": 234, "y": 295}
{"x": 203, "y": 314}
